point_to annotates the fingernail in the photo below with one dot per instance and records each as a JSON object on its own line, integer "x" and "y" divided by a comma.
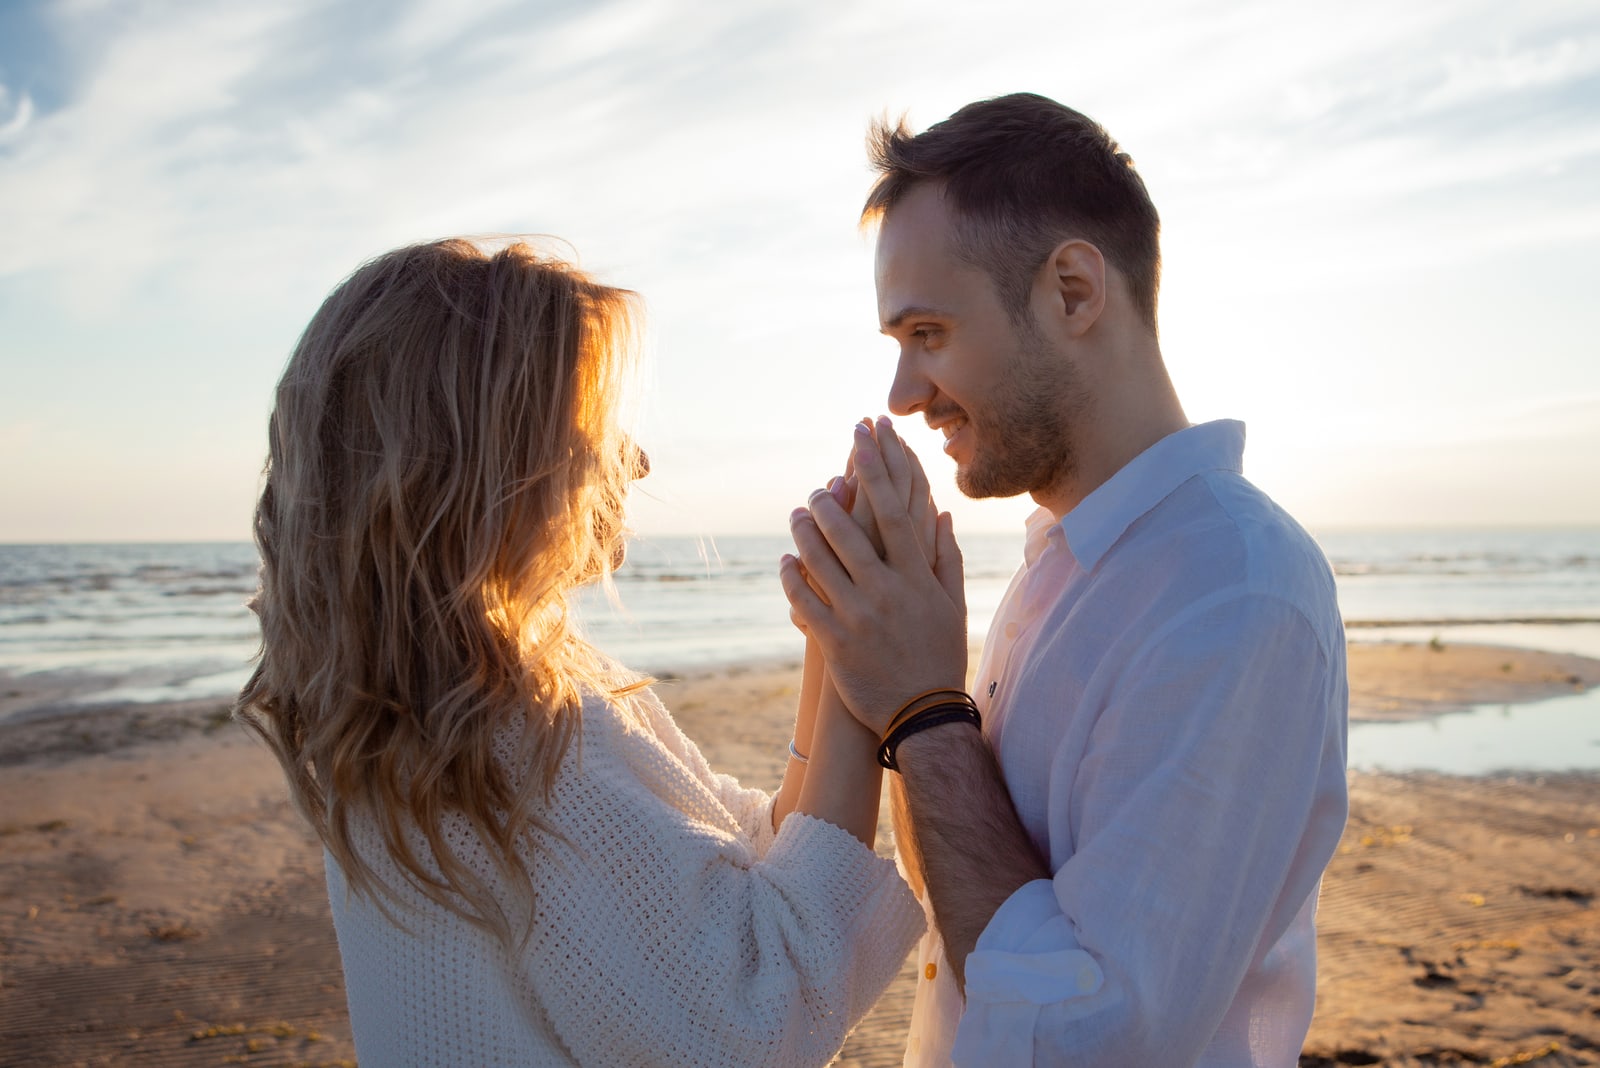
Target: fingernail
{"x": 864, "y": 429}
{"x": 884, "y": 423}
{"x": 812, "y": 499}
{"x": 786, "y": 559}
{"x": 798, "y": 513}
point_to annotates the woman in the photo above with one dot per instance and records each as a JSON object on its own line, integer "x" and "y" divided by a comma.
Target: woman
{"x": 528, "y": 863}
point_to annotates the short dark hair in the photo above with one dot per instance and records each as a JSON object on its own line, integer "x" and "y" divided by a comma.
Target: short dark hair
{"x": 1023, "y": 173}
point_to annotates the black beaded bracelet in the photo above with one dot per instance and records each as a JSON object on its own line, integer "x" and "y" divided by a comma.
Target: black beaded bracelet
{"x": 932, "y": 716}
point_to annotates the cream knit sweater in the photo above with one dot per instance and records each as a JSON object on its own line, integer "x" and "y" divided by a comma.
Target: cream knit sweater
{"x": 672, "y": 926}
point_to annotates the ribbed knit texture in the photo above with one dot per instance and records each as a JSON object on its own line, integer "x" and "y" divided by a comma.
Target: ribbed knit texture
{"x": 672, "y": 927}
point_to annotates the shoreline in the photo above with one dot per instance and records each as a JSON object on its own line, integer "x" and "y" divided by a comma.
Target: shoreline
{"x": 1390, "y": 681}
{"x": 161, "y": 903}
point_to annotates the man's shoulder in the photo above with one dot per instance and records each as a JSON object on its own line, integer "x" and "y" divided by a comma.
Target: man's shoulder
{"x": 1219, "y": 532}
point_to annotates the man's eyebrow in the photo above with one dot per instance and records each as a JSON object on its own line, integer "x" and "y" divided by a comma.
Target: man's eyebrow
{"x": 910, "y": 312}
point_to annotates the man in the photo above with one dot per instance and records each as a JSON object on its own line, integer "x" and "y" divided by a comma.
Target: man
{"x": 1123, "y": 865}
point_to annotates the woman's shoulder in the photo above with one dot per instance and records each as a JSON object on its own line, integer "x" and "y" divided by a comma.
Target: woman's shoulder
{"x": 634, "y": 734}
{"x": 627, "y": 724}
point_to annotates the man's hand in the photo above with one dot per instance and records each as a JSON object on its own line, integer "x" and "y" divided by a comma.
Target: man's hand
{"x": 911, "y": 485}
{"x": 889, "y": 628}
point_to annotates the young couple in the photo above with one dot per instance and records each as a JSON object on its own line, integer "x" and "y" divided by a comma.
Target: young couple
{"x": 1117, "y": 835}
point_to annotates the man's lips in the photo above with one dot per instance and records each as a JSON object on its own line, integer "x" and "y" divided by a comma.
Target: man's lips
{"x": 951, "y": 427}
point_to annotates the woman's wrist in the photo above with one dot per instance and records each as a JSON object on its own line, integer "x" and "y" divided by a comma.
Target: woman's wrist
{"x": 813, "y": 680}
{"x": 843, "y": 780}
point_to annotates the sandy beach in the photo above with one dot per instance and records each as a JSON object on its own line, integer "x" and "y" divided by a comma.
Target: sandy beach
{"x": 161, "y": 904}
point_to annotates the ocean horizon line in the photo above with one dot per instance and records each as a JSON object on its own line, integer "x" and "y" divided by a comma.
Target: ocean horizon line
{"x": 1316, "y": 529}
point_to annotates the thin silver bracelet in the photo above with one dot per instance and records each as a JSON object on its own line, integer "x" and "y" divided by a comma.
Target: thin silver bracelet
{"x": 797, "y": 754}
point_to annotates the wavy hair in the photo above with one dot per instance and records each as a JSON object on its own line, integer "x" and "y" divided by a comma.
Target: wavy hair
{"x": 446, "y": 466}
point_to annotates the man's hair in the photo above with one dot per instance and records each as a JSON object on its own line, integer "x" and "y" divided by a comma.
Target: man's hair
{"x": 1023, "y": 173}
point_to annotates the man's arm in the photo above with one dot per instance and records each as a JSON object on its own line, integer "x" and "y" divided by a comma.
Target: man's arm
{"x": 974, "y": 851}
{"x": 894, "y": 627}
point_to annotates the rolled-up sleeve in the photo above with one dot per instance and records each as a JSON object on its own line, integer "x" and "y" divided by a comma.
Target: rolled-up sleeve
{"x": 1200, "y": 814}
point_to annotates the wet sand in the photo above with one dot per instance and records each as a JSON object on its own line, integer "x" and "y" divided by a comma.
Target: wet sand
{"x": 161, "y": 904}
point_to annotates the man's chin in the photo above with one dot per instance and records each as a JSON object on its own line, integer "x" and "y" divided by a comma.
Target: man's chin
{"x": 980, "y": 485}
{"x": 977, "y": 489}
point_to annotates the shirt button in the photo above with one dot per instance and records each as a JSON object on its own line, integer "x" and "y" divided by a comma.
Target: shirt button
{"x": 1087, "y": 979}
{"x": 1011, "y": 629}
{"x": 930, "y": 971}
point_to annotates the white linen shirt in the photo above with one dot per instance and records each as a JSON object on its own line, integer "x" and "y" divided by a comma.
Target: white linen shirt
{"x": 1164, "y": 687}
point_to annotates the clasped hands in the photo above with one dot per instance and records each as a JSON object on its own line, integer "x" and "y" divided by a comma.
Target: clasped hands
{"x": 876, "y": 580}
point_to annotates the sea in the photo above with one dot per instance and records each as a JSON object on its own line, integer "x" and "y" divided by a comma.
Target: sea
{"x": 100, "y": 624}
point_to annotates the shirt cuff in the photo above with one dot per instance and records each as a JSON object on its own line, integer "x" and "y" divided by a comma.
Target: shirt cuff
{"x": 1029, "y": 953}
{"x": 1026, "y": 958}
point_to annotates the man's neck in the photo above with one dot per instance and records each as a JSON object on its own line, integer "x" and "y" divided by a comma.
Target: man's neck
{"x": 1130, "y": 413}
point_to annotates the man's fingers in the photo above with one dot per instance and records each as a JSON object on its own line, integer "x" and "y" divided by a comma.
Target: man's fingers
{"x": 947, "y": 564}
{"x": 894, "y": 522}
{"x": 893, "y": 451}
{"x": 861, "y": 512}
{"x": 924, "y": 516}
{"x": 849, "y": 543}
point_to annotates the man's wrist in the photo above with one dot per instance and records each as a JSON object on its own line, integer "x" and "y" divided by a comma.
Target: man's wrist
{"x": 944, "y": 708}
{"x": 935, "y": 744}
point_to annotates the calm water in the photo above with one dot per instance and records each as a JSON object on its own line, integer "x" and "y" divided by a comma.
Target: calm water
{"x": 164, "y": 622}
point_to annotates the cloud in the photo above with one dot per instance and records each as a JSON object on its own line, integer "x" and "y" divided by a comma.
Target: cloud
{"x": 183, "y": 182}
{"x": 287, "y": 121}
{"x": 21, "y": 114}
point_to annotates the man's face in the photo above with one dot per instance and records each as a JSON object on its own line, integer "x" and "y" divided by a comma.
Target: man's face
{"x": 1002, "y": 396}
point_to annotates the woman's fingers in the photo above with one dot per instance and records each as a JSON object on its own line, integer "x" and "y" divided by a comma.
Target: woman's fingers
{"x": 820, "y": 567}
{"x": 806, "y": 610}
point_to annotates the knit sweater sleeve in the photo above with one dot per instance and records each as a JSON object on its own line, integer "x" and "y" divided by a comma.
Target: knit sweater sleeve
{"x": 750, "y": 806}
{"x": 662, "y": 937}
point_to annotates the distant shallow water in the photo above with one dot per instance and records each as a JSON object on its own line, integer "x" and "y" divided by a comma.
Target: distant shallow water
{"x": 1580, "y": 639}
{"x": 1553, "y": 735}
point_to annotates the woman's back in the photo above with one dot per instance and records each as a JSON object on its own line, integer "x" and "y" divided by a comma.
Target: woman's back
{"x": 671, "y": 925}
{"x": 528, "y": 862}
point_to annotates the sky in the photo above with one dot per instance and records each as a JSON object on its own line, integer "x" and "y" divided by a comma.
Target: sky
{"x": 1381, "y": 229}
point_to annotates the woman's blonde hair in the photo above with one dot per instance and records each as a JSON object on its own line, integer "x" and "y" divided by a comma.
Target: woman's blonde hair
{"x": 446, "y": 466}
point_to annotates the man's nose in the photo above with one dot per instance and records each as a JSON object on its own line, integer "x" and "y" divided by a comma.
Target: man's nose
{"x": 910, "y": 391}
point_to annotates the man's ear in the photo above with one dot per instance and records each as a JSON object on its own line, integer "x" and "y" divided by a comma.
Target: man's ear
{"x": 1076, "y": 281}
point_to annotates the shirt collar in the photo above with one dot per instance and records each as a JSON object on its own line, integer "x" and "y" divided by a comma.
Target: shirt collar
{"x": 1144, "y": 482}
{"x": 1041, "y": 524}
